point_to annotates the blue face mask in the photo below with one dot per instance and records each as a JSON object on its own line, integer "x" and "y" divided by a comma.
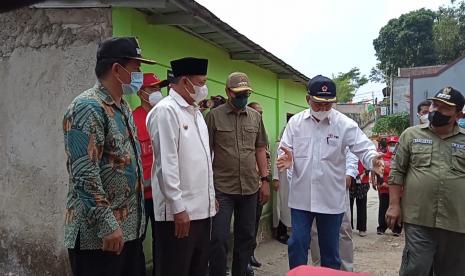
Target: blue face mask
{"x": 137, "y": 78}
{"x": 461, "y": 123}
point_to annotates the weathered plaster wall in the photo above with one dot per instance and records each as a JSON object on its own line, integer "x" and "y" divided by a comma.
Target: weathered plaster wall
{"x": 47, "y": 58}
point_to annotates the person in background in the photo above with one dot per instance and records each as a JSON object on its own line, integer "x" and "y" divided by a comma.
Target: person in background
{"x": 253, "y": 260}
{"x": 461, "y": 121}
{"x": 184, "y": 197}
{"x": 429, "y": 173}
{"x": 149, "y": 95}
{"x": 211, "y": 103}
{"x": 359, "y": 195}
{"x": 422, "y": 111}
{"x": 381, "y": 182}
{"x": 104, "y": 218}
{"x": 282, "y": 212}
{"x": 346, "y": 243}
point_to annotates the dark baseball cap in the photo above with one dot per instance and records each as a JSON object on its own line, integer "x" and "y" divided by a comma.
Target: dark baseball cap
{"x": 121, "y": 47}
{"x": 450, "y": 96}
{"x": 322, "y": 89}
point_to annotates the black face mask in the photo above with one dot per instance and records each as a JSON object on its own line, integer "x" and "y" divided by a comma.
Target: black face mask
{"x": 438, "y": 119}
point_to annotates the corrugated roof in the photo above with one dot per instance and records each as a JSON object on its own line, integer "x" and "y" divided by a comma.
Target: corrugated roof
{"x": 197, "y": 20}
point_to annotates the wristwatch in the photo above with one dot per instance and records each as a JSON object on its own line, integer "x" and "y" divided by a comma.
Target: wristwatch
{"x": 265, "y": 178}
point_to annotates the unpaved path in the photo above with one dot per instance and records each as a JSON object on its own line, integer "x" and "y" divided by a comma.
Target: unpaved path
{"x": 380, "y": 255}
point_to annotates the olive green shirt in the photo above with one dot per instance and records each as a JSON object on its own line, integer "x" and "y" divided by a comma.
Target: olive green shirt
{"x": 432, "y": 172}
{"x": 234, "y": 138}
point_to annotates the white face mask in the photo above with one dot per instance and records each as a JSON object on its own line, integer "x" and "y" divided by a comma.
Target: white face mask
{"x": 200, "y": 92}
{"x": 320, "y": 115}
{"x": 423, "y": 119}
{"x": 391, "y": 148}
{"x": 155, "y": 97}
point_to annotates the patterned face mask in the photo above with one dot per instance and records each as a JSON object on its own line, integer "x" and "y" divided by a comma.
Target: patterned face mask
{"x": 461, "y": 123}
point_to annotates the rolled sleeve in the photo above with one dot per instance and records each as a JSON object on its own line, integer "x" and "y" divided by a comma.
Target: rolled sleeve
{"x": 361, "y": 146}
{"x": 351, "y": 164}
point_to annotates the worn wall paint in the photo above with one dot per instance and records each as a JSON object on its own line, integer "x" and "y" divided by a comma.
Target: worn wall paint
{"x": 47, "y": 58}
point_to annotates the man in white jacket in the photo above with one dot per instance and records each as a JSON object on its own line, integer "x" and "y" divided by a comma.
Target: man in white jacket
{"x": 184, "y": 199}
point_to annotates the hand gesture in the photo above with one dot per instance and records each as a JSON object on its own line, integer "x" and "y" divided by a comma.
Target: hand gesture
{"x": 378, "y": 164}
{"x": 284, "y": 161}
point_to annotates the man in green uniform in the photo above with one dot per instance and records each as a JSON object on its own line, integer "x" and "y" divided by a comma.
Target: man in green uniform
{"x": 429, "y": 173}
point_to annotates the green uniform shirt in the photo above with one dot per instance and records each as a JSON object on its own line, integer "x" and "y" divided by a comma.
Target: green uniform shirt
{"x": 432, "y": 172}
{"x": 234, "y": 138}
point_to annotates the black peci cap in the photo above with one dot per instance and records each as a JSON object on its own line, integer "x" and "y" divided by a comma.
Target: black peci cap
{"x": 189, "y": 66}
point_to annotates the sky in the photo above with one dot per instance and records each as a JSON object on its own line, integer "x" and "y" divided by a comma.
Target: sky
{"x": 318, "y": 37}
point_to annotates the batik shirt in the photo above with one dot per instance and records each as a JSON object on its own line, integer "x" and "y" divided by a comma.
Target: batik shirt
{"x": 103, "y": 162}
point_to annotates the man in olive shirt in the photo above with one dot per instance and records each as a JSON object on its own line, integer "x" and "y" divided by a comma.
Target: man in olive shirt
{"x": 429, "y": 172}
{"x": 238, "y": 141}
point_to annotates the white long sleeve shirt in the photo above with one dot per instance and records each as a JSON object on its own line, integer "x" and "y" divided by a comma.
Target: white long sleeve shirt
{"x": 319, "y": 166}
{"x": 351, "y": 164}
{"x": 183, "y": 165}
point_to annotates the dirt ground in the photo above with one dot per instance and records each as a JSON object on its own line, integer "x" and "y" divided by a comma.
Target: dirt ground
{"x": 380, "y": 255}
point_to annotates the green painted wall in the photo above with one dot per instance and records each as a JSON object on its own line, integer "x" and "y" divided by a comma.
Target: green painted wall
{"x": 165, "y": 43}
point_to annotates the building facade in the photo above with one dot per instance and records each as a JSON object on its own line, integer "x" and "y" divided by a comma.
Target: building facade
{"x": 48, "y": 58}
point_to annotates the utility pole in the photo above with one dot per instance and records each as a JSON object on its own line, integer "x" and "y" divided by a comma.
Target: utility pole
{"x": 374, "y": 103}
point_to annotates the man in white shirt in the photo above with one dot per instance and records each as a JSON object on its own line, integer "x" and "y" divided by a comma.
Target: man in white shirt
{"x": 346, "y": 243}
{"x": 314, "y": 148}
{"x": 184, "y": 199}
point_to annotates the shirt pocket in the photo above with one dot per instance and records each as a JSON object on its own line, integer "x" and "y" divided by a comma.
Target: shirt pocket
{"x": 249, "y": 136}
{"x": 458, "y": 160}
{"x": 421, "y": 155}
{"x": 301, "y": 147}
{"x": 225, "y": 135}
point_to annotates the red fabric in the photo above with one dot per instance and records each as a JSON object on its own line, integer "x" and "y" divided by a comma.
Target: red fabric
{"x": 150, "y": 79}
{"x": 140, "y": 115}
{"x": 387, "y": 169}
{"x": 147, "y": 192}
{"x": 306, "y": 270}
{"x": 365, "y": 179}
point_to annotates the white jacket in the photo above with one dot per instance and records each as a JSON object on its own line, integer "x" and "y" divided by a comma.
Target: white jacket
{"x": 183, "y": 165}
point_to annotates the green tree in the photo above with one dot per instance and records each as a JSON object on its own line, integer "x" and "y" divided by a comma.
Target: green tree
{"x": 406, "y": 41}
{"x": 348, "y": 83}
{"x": 449, "y": 32}
{"x": 393, "y": 124}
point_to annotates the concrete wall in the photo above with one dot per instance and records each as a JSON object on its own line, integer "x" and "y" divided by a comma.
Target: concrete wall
{"x": 352, "y": 108}
{"x": 47, "y": 58}
{"x": 400, "y": 95}
{"x": 425, "y": 87}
